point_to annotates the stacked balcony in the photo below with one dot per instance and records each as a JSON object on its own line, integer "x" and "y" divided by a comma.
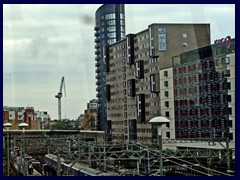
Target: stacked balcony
{"x": 131, "y": 87}
{"x": 97, "y": 40}
{"x": 98, "y": 64}
{"x": 130, "y": 49}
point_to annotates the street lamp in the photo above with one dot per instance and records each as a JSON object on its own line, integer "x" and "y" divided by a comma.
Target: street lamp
{"x": 159, "y": 121}
{"x": 8, "y": 160}
{"x": 23, "y": 126}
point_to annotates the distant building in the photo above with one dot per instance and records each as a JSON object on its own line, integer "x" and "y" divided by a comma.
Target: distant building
{"x": 91, "y": 115}
{"x": 80, "y": 120}
{"x": 17, "y": 115}
{"x": 13, "y": 115}
{"x": 93, "y": 104}
{"x": 110, "y": 28}
{"x": 44, "y": 118}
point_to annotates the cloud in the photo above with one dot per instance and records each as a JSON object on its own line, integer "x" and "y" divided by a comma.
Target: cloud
{"x": 12, "y": 12}
{"x": 220, "y": 16}
{"x": 42, "y": 43}
{"x": 38, "y": 44}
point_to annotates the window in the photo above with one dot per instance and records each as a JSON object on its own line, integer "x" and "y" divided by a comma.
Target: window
{"x": 168, "y": 134}
{"x": 184, "y": 80}
{"x": 167, "y": 114}
{"x": 227, "y": 60}
{"x": 166, "y": 83}
{"x": 227, "y": 73}
{"x": 228, "y": 85}
{"x": 123, "y": 54}
{"x": 111, "y": 29}
{"x": 167, "y": 124}
{"x": 199, "y": 66}
{"x": 174, "y": 71}
{"x": 121, "y": 16}
{"x": 125, "y": 107}
{"x": 175, "y": 92}
{"x": 166, "y": 103}
{"x": 166, "y": 93}
{"x": 165, "y": 73}
{"x": 189, "y": 91}
{"x": 140, "y": 98}
{"x": 121, "y": 22}
{"x": 230, "y": 111}
{"x": 231, "y": 136}
{"x": 111, "y": 41}
{"x": 111, "y": 35}
{"x": 123, "y": 61}
{"x": 184, "y": 35}
{"x": 230, "y": 123}
{"x": 199, "y": 77}
{"x": 123, "y": 45}
{"x": 179, "y": 81}
{"x": 153, "y": 83}
{"x": 110, "y": 16}
{"x": 179, "y": 70}
{"x": 124, "y": 84}
{"x": 229, "y": 98}
{"x": 111, "y": 22}
{"x": 185, "y": 44}
{"x": 184, "y": 69}
{"x": 139, "y": 69}
{"x": 175, "y": 82}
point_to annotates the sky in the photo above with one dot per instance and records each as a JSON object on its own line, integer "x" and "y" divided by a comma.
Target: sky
{"x": 42, "y": 43}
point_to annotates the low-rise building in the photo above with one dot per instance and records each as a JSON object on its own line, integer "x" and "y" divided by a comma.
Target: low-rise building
{"x": 17, "y": 115}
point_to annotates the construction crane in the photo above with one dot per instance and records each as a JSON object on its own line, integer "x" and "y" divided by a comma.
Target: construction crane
{"x": 59, "y": 96}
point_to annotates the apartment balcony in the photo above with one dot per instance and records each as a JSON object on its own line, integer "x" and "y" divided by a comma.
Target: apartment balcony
{"x": 96, "y": 28}
{"x": 96, "y": 34}
{"x": 97, "y": 46}
{"x": 98, "y": 89}
{"x": 98, "y": 83}
{"x": 97, "y": 70}
{"x": 98, "y": 64}
{"x": 98, "y": 76}
{"x": 99, "y": 94}
{"x": 97, "y": 58}
{"x": 97, "y": 40}
{"x": 97, "y": 52}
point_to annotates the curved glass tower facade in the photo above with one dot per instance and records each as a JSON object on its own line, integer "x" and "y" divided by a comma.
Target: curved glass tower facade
{"x": 109, "y": 28}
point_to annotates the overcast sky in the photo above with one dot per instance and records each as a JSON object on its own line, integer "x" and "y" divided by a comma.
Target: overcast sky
{"x": 42, "y": 43}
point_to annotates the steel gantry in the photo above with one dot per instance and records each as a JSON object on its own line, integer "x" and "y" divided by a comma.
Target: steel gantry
{"x": 128, "y": 158}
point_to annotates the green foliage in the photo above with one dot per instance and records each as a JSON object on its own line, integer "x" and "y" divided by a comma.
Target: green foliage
{"x": 65, "y": 125}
